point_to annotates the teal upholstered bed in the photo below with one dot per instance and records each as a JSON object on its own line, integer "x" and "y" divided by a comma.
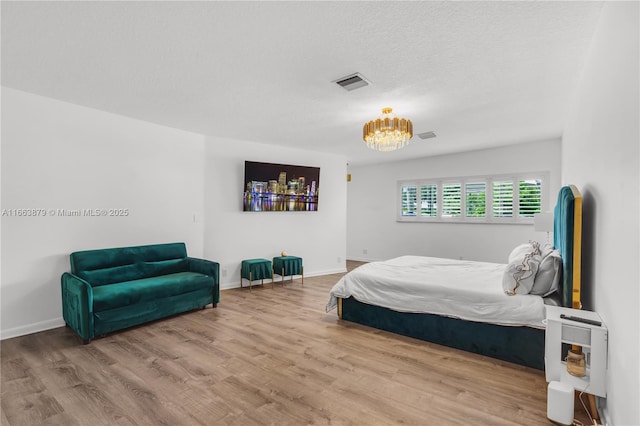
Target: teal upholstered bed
{"x": 567, "y": 238}
{"x": 518, "y": 344}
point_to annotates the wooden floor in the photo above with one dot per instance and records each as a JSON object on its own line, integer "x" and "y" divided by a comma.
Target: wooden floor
{"x": 269, "y": 356}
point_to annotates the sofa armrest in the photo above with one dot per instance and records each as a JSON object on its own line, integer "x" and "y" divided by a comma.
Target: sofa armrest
{"x": 210, "y": 268}
{"x": 77, "y": 305}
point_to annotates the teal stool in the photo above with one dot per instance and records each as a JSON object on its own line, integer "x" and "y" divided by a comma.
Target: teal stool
{"x": 288, "y": 266}
{"x": 256, "y": 269}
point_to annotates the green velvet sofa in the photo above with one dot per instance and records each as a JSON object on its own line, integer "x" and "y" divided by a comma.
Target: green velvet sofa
{"x": 115, "y": 288}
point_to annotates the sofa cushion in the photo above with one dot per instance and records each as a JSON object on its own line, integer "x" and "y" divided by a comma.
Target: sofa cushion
{"x": 164, "y": 267}
{"x": 117, "y": 274}
{"x": 116, "y": 295}
{"x": 115, "y": 265}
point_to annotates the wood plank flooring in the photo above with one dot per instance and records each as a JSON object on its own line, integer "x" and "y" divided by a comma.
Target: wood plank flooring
{"x": 265, "y": 357}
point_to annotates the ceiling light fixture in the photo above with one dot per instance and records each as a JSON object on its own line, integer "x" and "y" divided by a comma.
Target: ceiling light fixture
{"x": 387, "y": 132}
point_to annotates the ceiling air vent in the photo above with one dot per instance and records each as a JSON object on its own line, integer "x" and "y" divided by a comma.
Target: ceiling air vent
{"x": 352, "y": 82}
{"x": 427, "y": 135}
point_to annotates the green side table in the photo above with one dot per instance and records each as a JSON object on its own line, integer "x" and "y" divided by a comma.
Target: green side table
{"x": 256, "y": 269}
{"x": 288, "y": 266}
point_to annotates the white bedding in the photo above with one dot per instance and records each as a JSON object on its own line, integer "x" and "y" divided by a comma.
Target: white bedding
{"x": 455, "y": 288}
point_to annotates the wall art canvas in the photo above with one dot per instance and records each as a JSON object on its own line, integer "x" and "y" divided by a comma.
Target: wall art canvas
{"x": 280, "y": 187}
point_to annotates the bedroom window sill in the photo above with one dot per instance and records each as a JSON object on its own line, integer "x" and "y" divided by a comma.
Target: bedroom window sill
{"x": 465, "y": 222}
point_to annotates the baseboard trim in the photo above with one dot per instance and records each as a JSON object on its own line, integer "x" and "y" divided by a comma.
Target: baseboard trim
{"x": 31, "y": 328}
{"x": 363, "y": 259}
{"x": 601, "y": 405}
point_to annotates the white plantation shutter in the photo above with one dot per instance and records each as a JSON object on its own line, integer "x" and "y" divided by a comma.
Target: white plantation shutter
{"x": 529, "y": 197}
{"x": 451, "y": 200}
{"x": 409, "y": 200}
{"x": 512, "y": 198}
{"x": 502, "y": 199}
{"x": 476, "y": 199}
{"x": 429, "y": 200}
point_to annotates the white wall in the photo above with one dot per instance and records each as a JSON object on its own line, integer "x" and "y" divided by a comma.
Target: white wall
{"x": 371, "y": 220}
{"x": 232, "y": 235}
{"x": 56, "y": 155}
{"x": 177, "y": 186}
{"x": 600, "y": 155}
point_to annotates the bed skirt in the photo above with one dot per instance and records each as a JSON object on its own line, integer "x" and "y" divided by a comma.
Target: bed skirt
{"x": 520, "y": 345}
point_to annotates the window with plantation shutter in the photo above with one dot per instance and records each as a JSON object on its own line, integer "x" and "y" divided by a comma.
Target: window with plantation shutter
{"x": 409, "y": 200}
{"x": 475, "y": 198}
{"x": 429, "y": 200}
{"x": 529, "y": 197}
{"x": 451, "y": 200}
{"x": 503, "y": 199}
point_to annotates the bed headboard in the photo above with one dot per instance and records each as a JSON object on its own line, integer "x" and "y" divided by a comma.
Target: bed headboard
{"x": 567, "y": 239}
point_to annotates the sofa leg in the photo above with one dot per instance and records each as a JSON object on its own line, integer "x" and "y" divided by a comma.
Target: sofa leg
{"x": 213, "y": 305}
{"x": 86, "y": 341}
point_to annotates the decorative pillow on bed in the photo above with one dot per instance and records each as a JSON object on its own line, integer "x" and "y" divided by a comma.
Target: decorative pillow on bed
{"x": 547, "y": 278}
{"x": 524, "y": 262}
{"x": 517, "y": 254}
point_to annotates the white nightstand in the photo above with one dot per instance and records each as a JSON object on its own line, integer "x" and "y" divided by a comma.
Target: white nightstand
{"x": 592, "y": 339}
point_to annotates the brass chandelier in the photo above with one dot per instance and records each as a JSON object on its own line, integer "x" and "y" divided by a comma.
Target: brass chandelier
{"x": 387, "y": 132}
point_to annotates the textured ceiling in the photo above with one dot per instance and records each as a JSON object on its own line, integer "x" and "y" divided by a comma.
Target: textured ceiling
{"x": 479, "y": 74}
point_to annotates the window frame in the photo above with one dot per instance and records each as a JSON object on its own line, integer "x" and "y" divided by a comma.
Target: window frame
{"x": 488, "y": 181}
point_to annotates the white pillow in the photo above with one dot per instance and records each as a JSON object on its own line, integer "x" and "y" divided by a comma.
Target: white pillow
{"x": 519, "y": 275}
{"x": 547, "y": 278}
{"x": 519, "y": 252}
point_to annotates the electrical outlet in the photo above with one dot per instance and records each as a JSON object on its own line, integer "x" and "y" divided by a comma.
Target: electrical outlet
{"x": 365, "y": 251}
{"x": 339, "y": 259}
{"x": 224, "y": 272}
